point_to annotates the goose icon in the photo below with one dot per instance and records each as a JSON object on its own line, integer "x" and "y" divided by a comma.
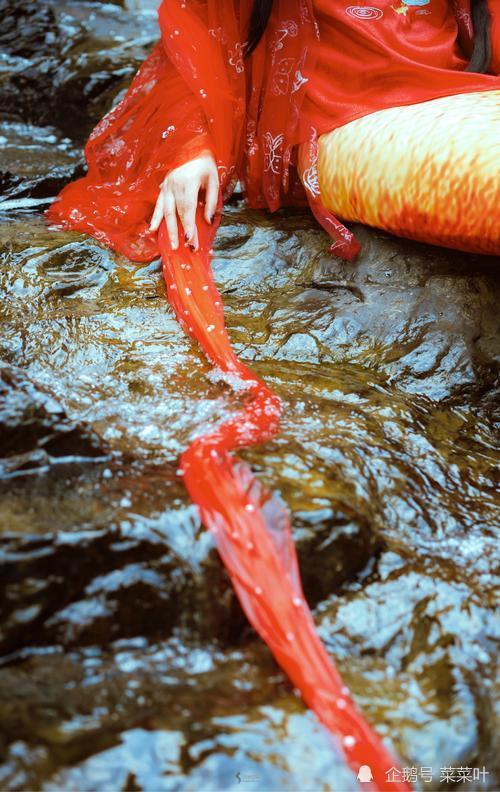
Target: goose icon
{"x": 365, "y": 774}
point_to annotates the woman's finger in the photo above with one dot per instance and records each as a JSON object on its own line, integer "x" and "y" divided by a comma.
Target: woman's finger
{"x": 157, "y": 214}
{"x": 187, "y": 202}
{"x": 211, "y": 196}
{"x": 171, "y": 219}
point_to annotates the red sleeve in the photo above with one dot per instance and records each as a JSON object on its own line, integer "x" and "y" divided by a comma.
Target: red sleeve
{"x": 494, "y": 9}
{"x": 156, "y": 127}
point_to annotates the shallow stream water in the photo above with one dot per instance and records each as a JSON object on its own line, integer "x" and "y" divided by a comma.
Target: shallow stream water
{"x": 126, "y": 660}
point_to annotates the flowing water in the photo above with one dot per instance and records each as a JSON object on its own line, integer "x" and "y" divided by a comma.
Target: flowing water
{"x": 126, "y": 660}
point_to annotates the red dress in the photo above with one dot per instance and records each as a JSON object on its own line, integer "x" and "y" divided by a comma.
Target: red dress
{"x": 319, "y": 65}
{"x": 388, "y": 53}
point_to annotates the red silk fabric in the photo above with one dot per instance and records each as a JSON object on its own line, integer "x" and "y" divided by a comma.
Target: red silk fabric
{"x": 252, "y": 528}
{"x": 196, "y": 90}
{"x": 388, "y": 53}
{"x": 319, "y": 65}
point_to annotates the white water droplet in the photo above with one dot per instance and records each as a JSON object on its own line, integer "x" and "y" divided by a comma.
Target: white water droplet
{"x": 258, "y": 590}
{"x": 341, "y": 703}
{"x": 349, "y": 741}
{"x": 297, "y": 602}
{"x": 250, "y": 545}
{"x": 249, "y": 507}
{"x": 210, "y": 328}
{"x": 290, "y": 636}
{"x": 187, "y": 290}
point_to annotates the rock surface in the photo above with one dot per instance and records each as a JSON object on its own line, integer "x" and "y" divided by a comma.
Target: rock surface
{"x": 127, "y": 662}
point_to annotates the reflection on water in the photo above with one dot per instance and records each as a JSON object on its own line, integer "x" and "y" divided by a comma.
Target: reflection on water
{"x": 127, "y": 663}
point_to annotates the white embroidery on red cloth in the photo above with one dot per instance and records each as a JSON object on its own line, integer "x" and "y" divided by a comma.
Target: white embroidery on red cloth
{"x": 463, "y": 16}
{"x": 236, "y": 58}
{"x": 364, "y": 12}
{"x": 272, "y": 157}
{"x": 305, "y": 15}
{"x": 288, "y": 28}
{"x": 251, "y": 142}
{"x": 310, "y": 179}
{"x": 281, "y": 76}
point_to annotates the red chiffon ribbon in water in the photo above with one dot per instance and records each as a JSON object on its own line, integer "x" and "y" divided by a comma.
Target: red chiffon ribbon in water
{"x": 251, "y": 528}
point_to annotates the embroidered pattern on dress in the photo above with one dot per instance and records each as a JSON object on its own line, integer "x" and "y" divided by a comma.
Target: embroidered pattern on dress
{"x": 305, "y": 16}
{"x": 281, "y": 76}
{"x": 288, "y": 28}
{"x": 235, "y": 58}
{"x": 463, "y": 17}
{"x": 251, "y": 143}
{"x": 272, "y": 157}
{"x": 218, "y": 34}
{"x": 310, "y": 179}
{"x": 364, "y": 12}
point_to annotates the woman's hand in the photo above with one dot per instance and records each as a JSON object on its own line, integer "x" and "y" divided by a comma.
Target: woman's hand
{"x": 179, "y": 195}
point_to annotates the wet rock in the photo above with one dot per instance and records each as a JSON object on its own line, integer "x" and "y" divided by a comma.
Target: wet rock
{"x": 368, "y": 467}
{"x": 371, "y": 470}
{"x": 65, "y": 62}
{"x": 36, "y": 162}
{"x": 215, "y": 724}
{"x": 93, "y": 560}
{"x": 424, "y": 318}
{"x": 35, "y": 430}
{"x": 433, "y": 631}
{"x": 334, "y": 544}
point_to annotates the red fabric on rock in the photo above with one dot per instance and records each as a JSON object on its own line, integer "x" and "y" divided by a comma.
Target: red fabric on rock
{"x": 195, "y": 91}
{"x": 388, "y": 54}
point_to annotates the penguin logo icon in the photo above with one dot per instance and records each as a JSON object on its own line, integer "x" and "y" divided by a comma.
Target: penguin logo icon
{"x": 365, "y": 774}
